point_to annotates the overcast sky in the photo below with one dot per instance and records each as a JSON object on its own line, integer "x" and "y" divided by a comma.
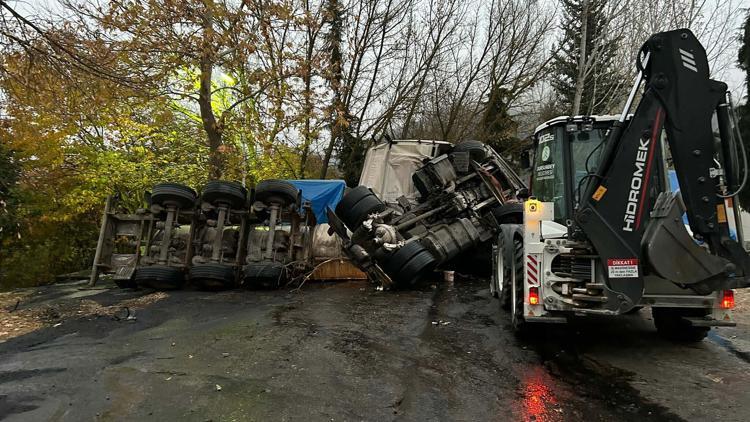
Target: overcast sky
{"x": 732, "y": 75}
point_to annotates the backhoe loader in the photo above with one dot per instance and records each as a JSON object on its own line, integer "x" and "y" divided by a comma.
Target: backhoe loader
{"x": 636, "y": 209}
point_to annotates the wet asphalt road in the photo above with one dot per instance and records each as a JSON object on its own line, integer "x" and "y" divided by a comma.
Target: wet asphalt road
{"x": 348, "y": 352}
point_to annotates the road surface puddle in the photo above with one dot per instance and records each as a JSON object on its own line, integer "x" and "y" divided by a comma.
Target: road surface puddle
{"x": 538, "y": 401}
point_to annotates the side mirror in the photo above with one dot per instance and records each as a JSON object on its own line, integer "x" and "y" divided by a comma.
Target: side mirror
{"x": 523, "y": 194}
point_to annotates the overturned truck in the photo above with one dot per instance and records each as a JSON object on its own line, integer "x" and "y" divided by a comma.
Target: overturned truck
{"x": 226, "y": 236}
{"x": 421, "y": 204}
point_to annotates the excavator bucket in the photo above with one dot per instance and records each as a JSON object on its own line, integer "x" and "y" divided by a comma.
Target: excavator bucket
{"x": 673, "y": 254}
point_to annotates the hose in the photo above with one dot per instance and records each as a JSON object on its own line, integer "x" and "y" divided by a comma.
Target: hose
{"x": 738, "y": 136}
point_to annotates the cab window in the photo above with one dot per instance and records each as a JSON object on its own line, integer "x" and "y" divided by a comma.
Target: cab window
{"x": 547, "y": 181}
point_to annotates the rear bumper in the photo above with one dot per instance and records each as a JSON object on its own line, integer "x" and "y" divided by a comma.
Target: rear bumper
{"x": 708, "y": 322}
{"x": 547, "y": 319}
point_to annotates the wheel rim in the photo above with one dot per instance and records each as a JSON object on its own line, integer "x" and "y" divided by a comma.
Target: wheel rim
{"x": 513, "y": 295}
{"x": 514, "y": 303}
{"x": 499, "y": 259}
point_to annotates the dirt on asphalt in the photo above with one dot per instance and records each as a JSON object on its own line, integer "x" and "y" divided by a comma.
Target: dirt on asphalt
{"x": 349, "y": 352}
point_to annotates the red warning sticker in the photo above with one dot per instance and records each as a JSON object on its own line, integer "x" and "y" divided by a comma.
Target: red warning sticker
{"x": 622, "y": 268}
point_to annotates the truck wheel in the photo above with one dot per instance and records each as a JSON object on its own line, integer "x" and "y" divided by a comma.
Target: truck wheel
{"x": 126, "y": 283}
{"x": 159, "y": 277}
{"x": 263, "y": 275}
{"x": 219, "y": 192}
{"x": 671, "y": 326}
{"x": 474, "y": 148}
{"x": 356, "y": 205}
{"x": 506, "y": 292}
{"x": 496, "y": 264}
{"x": 181, "y": 196}
{"x": 276, "y": 191}
{"x": 517, "y": 296}
{"x": 212, "y": 276}
{"x": 409, "y": 265}
{"x": 510, "y": 213}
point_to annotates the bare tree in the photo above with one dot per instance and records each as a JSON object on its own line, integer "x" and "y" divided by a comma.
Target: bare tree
{"x": 499, "y": 53}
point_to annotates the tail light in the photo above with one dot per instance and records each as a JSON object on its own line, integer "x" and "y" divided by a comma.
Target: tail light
{"x": 534, "y": 296}
{"x": 727, "y": 299}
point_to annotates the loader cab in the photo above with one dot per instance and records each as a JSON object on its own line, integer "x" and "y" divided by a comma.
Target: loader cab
{"x": 565, "y": 150}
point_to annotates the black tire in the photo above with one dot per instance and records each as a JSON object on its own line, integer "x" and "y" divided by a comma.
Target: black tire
{"x": 495, "y": 264}
{"x": 181, "y": 196}
{"x": 278, "y": 192}
{"x": 516, "y": 312}
{"x": 356, "y": 205}
{"x": 263, "y": 275}
{"x": 213, "y": 276}
{"x": 671, "y": 326}
{"x": 409, "y": 265}
{"x": 505, "y": 295}
{"x": 475, "y": 149}
{"x": 219, "y": 192}
{"x": 159, "y": 277}
{"x": 510, "y": 213}
{"x": 126, "y": 284}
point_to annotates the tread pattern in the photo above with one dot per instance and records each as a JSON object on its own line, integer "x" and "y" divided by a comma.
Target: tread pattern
{"x": 276, "y": 191}
{"x": 165, "y": 194}
{"x": 263, "y": 275}
{"x": 409, "y": 265}
{"x": 223, "y": 192}
{"x": 356, "y": 205}
{"x": 213, "y": 276}
{"x": 159, "y": 277}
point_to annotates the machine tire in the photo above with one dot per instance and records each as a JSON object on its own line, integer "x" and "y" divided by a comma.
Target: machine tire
{"x": 356, "y": 205}
{"x": 510, "y": 213}
{"x": 276, "y": 191}
{"x": 218, "y": 192}
{"x": 671, "y": 326}
{"x": 516, "y": 309}
{"x": 505, "y": 293}
{"x": 409, "y": 264}
{"x": 212, "y": 276}
{"x": 263, "y": 275}
{"x": 495, "y": 264}
{"x": 352, "y": 196}
{"x": 165, "y": 194}
{"x": 159, "y": 277}
{"x": 474, "y": 148}
{"x": 126, "y": 284}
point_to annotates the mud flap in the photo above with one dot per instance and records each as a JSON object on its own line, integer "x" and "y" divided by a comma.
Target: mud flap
{"x": 673, "y": 254}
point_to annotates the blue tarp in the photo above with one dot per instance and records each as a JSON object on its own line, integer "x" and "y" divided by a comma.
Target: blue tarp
{"x": 321, "y": 194}
{"x": 675, "y": 187}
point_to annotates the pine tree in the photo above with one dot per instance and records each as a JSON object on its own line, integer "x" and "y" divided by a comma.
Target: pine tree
{"x": 593, "y": 72}
{"x": 334, "y": 75}
{"x": 499, "y": 128}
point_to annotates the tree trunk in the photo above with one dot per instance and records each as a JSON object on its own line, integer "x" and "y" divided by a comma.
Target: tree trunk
{"x": 210, "y": 125}
{"x": 308, "y": 98}
{"x": 334, "y": 16}
{"x": 581, "y": 78}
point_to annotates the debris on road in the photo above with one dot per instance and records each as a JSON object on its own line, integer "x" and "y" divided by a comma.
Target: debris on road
{"x": 32, "y": 315}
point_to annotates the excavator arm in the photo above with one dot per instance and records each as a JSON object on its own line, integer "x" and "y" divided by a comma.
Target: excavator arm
{"x": 629, "y": 214}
